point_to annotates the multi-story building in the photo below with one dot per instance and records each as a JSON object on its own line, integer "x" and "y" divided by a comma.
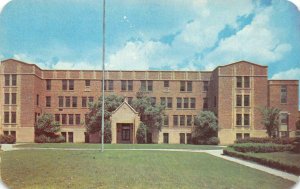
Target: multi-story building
{"x": 234, "y": 92}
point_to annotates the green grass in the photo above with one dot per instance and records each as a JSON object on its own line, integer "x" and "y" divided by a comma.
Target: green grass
{"x": 129, "y": 169}
{"x": 123, "y": 146}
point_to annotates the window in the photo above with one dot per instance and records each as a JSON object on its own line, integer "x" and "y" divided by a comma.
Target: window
{"x": 70, "y": 136}
{"x": 166, "y": 138}
{"x": 205, "y": 85}
{"x": 13, "y": 117}
{"x": 7, "y": 79}
{"x": 71, "y": 85}
{"x": 77, "y": 117}
{"x": 166, "y": 120}
{"x": 74, "y": 101}
{"x": 153, "y": 101}
{"x": 239, "y": 82}
{"x": 64, "y": 84}
{"x": 186, "y": 103}
{"x": 246, "y": 135}
{"x": 283, "y": 94}
{"x": 13, "y": 98}
{"x": 6, "y": 98}
{"x": 169, "y": 99}
{"x": 193, "y": 103}
{"x": 123, "y": 85}
{"x": 283, "y": 118}
{"x": 205, "y": 103}
{"x": 189, "y": 138}
{"x": 48, "y": 84}
{"x": 110, "y": 85}
{"x": 13, "y": 133}
{"x": 60, "y": 101}
{"x": 6, "y": 117}
{"x": 238, "y": 100}
{"x": 246, "y": 119}
{"x": 48, "y": 101}
{"x": 130, "y": 85}
{"x": 143, "y": 85}
{"x": 175, "y": 120}
{"x": 189, "y": 86}
{"x": 87, "y": 83}
{"x": 179, "y": 102}
{"x": 239, "y": 136}
{"x": 84, "y": 102}
{"x": 71, "y": 119}
{"x": 37, "y": 100}
{"x": 238, "y": 119}
{"x": 182, "y": 85}
{"x": 68, "y": 101}
{"x": 246, "y": 82}
{"x": 14, "y": 80}
{"x": 64, "y": 119}
{"x": 189, "y": 120}
{"x": 182, "y": 120}
{"x": 163, "y": 101}
{"x": 57, "y": 118}
{"x": 150, "y": 85}
{"x": 6, "y": 133}
{"x": 246, "y": 100}
{"x": 166, "y": 84}
{"x": 126, "y": 85}
{"x": 91, "y": 99}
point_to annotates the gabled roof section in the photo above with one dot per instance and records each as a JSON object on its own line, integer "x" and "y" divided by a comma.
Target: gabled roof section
{"x": 21, "y": 62}
{"x": 242, "y": 61}
{"x": 125, "y": 103}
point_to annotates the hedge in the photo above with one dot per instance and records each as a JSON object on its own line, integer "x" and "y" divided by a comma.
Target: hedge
{"x": 7, "y": 139}
{"x": 261, "y": 148}
{"x": 295, "y": 169}
{"x": 266, "y": 140}
{"x": 45, "y": 139}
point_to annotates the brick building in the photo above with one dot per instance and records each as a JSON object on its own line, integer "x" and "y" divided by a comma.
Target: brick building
{"x": 234, "y": 92}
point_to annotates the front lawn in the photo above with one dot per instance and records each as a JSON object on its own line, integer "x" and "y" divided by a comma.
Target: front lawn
{"x": 122, "y": 146}
{"x": 129, "y": 169}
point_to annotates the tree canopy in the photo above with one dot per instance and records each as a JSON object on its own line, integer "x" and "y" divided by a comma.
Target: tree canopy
{"x": 270, "y": 119}
{"x": 45, "y": 125}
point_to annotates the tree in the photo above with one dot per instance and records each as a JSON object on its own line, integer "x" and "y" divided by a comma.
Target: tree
{"x": 93, "y": 124}
{"x": 206, "y": 126}
{"x": 45, "y": 125}
{"x": 151, "y": 114}
{"x": 270, "y": 119}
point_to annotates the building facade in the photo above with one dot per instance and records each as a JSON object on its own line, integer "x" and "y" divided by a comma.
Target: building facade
{"x": 234, "y": 92}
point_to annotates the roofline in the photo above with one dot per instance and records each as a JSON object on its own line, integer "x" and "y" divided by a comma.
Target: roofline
{"x": 22, "y": 62}
{"x": 240, "y": 62}
{"x": 132, "y": 109}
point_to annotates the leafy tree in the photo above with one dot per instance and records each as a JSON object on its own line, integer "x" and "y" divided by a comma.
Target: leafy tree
{"x": 141, "y": 133}
{"x": 206, "y": 126}
{"x": 46, "y": 126}
{"x": 270, "y": 119}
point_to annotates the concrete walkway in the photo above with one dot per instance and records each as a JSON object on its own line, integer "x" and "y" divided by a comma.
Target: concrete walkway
{"x": 216, "y": 153}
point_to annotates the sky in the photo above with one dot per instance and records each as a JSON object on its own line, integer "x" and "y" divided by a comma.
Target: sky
{"x": 156, "y": 35}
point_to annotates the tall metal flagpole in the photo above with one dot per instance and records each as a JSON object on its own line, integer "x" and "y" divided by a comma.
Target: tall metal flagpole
{"x": 103, "y": 77}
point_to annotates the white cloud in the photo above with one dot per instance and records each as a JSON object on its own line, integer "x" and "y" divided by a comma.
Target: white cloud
{"x": 289, "y": 74}
{"x": 3, "y": 3}
{"x": 296, "y": 2}
{"x": 63, "y": 65}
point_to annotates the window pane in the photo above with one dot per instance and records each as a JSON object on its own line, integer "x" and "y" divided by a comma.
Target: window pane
{"x": 60, "y": 101}
{"x": 48, "y": 84}
{"x": 205, "y": 86}
{"x": 238, "y": 100}
{"x": 166, "y": 84}
{"x": 6, "y": 117}
{"x": 186, "y": 102}
{"x": 175, "y": 120}
{"x": 64, "y": 119}
{"x": 6, "y": 98}
{"x": 13, "y": 117}
{"x": 71, "y": 85}
{"x": 283, "y": 94}
{"x": 189, "y": 86}
{"x": 13, "y": 79}
{"x": 84, "y": 102}
{"x": 64, "y": 85}
{"x": 205, "y": 103}
{"x": 130, "y": 85}
{"x": 71, "y": 119}
{"x": 143, "y": 85}
{"x": 246, "y": 81}
{"x": 166, "y": 120}
{"x": 6, "y": 78}
{"x": 182, "y": 85}
{"x": 283, "y": 118}
{"x": 48, "y": 101}
{"x": 189, "y": 120}
{"x": 193, "y": 102}
{"x": 238, "y": 119}
{"x": 111, "y": 85}
{"x": 77, "y": 119}
{"x": 246, "y": 100}
{"x": 87, "y": 83}
{"x": 162, "y": 100}
{"x": 74, "y": 101}
{"x": 239, "y": 136}
{"x": 182, "y": 120}
{"x": 123, "y": 85}
{"x": 91, "y": 99}
{"x": 150, "y": 85}
{"x": 179, "y": 103}
{"x": 169, "y": 102}
{"x": 68, "y": 101}
{"x": 57, "y": 118}
{"x": 13, "y": 98}
{"x": 246, "y": 119}
{"x": 239, "y": 82}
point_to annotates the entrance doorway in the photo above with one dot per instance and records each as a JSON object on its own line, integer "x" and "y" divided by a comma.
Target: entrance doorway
{"x": 125, "y": 133}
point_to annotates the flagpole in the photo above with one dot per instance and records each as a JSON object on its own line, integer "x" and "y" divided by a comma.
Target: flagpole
{"x": 103, "y": 77}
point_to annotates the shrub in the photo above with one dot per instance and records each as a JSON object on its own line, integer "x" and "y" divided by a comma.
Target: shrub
{"x": 296, "y": 148}
{"x": 213, "y": 141}
{"x": 45, "y": 139}
{"x": 7, "y": 139}
{"x": 264, "y": 161}
{"x": 266, "y": 140}
{"x": 261, "y": 148}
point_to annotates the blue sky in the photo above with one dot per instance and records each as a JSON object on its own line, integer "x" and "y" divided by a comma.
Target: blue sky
{"x": 159, "y": 35}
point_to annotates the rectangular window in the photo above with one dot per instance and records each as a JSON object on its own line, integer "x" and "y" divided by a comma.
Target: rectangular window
{"x": 77, "y": 117}
{"x": 87, "y": 83}
{"x": 166, "y": 84}
{"x": 130, "y": 85}
{"x": 143, "y": 85}
{"x": 283, "y": 94}
{"x": 150, "y": 85}
{"x": 64, "y": 119}
{"x": 182, "y": 120}
{"x": 6, "y": 117}
{"x": 169, "y": 99}
{"x": 193, "y": 103}
{"x": 246, "y": 82}
{"x": 185, "y": 102}
{"x": 182, "y": 85}
{"x": 6, "y": 98}
{"x": 68, "y": 101}
{"x": 246, "y": 135}
{"x": 37, "y": 100}
{"x": 13, "y": 98}
{"x": 13, "y": 117}
{"x": 163, "y": 101}
{"x": 179, "y": 103}
{"x": 84, "y": 102}
{"x": 110, "y": 85}
{"x": 205, "y": 85}
{"x": 166, "y": 138}
{"x": 48, "y": 101}
{"x": 189, "y": 120}
{"x": 64, "y": 84}
{"x": 14, "y": 80}
{"x": 239, "y": 136}
{"x": 238, "y": 100}
{"x": 71, "y": 119}
{"x": 74, "y": 101}
{"x": 57, "y": 118}
{"x": 182, "y": 138}
{"x": 123, "y": 85}
{"x": 205, "y": 103}
{"x": 13, "y": 133}
{"x": 48, "y": 84}
{"x": 91, "y": 99}
{"x": 246, "y": 100}
{"x": 189, "y": 86}
{"x": 7, "y": 79}
{"x": 71, "y": 85}
{"x": 6, "y": 133}
{"x": 60, "y": 101}
{"x": 246, "y": 119}
{"x": 175, "y": 120}
{"x": 189, "y": 138}
{"x": 238, "y": 119}
{"x": 166, "y": 120}
{"x": 283, "y": 118}
{"x": 239, "y": 82}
